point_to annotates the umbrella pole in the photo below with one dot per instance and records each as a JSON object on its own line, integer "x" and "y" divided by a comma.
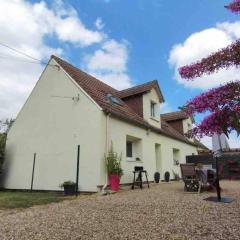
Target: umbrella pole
{"x": 217, "y": 181}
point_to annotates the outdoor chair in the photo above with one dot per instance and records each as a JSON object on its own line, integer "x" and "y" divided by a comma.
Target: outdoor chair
{"x": 192, "y": 181}
{"x": 139, "y": 171}
{"x": 233, "y": 169}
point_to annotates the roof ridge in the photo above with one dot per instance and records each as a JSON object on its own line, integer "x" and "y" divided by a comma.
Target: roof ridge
{"x": 140, "y": 85}
{"x": 173, "y": 112}
{"x": 145, "y": 87}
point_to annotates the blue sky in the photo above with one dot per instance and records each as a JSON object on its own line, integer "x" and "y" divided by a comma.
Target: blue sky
{"x": 122, "y": 42}
{"x": 152, "y": 28}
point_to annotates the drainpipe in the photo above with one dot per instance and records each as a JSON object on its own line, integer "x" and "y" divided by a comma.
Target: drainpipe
{"x": 106, "y": 149}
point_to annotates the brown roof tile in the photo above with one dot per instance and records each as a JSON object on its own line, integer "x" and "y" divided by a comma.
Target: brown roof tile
{"x": 139, "y": 89}
{"x": 99, "y": 91}
{"x": 172, "y": 116}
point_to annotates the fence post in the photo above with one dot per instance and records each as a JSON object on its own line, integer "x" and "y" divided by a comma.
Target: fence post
{"x": 34, "y": 159}
{"x": 77, "y": 175}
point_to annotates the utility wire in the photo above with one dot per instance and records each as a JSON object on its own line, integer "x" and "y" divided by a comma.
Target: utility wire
{"x": 17, "y": 59}
{"x": 26, "y": 55}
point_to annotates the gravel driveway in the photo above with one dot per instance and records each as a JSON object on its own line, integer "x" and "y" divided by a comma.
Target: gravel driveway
{"x": 162, "y": 212}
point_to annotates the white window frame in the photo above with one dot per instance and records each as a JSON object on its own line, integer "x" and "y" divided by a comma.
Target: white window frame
{"x": 153, "y": 109}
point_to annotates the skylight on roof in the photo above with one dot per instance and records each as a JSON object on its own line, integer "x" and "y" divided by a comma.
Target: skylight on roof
{"x": 113, "y": 99}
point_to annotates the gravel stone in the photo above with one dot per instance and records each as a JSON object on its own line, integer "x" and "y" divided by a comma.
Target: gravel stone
{"x": 164, "y": 211}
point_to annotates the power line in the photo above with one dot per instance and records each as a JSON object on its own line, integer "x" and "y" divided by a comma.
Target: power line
{"x": 17, "y": 59}
{"x": 26, "y": 55}
{"x": 15, "y": 50}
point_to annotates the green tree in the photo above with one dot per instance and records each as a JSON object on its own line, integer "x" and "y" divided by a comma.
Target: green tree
{"x": 4, "y": 128}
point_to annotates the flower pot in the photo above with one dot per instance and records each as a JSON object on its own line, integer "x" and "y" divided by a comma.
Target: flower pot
{"x": 69, "y": 189}
{"x": 156, "y": 177}
{"x": 167, "y": 176}
{"x": 114, "y": 182}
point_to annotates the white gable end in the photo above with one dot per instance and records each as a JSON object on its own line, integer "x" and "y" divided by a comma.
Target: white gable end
{"x": 52, "y": 123}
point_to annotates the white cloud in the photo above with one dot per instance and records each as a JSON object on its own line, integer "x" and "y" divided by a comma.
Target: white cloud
{"x": 109, "y": 64}
{"x": 72, "y": 30}
{"x": 234, "y": 141}
{"x": 99, "y": 24}
{"x": 201, "y": 44}
{"x": 25, "y": 26}
{"x": 165, "y": 108}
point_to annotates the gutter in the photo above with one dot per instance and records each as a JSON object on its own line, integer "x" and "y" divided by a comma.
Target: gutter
{"x": 106, "y": 150}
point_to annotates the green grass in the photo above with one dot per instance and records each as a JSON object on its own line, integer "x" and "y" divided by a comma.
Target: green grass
{"x": 27, "y": 199}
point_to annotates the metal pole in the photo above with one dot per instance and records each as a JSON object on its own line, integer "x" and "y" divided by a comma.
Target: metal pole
{"x": 217, "y": 181}
{"x": 34, "y": 159}
{"x": 217, "y": 172}
{"x": 77, "y": 176}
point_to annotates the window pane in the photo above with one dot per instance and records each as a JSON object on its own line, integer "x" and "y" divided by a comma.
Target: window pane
{"x": 129, "y": 149}
{"x": 152, "y": 109}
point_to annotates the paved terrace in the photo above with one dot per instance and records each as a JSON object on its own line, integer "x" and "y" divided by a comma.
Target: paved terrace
{"x": 162, "y": 212}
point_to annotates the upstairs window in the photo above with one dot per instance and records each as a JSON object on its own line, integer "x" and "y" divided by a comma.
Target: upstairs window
{"x": 153, "y": 108}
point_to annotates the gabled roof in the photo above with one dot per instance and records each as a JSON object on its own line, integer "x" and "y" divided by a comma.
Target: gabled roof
{"x": 173, "y": 116}
{"x": 143, "y": 88}
{"x": 100, "y": 91}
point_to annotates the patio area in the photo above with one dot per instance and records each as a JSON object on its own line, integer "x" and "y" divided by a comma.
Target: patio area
{"x": 162, "y": 212}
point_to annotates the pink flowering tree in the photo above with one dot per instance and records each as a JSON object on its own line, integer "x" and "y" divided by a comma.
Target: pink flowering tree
{"x": 234, "y": 6}
{"x": 222, "y": 103}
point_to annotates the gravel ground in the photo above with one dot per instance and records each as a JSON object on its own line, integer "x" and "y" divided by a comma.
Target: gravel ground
{"x": 162, "y": 212}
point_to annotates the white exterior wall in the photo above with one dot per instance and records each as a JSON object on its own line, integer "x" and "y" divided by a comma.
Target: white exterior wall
{"x": 53, "y": 127}
{"x": 186, "y": 123}
{"x": 118, "y": 132}
{"x": 147, "y": 98}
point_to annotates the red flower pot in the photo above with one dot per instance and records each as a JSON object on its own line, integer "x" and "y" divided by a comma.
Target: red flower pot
{"x": 114, "y": 182}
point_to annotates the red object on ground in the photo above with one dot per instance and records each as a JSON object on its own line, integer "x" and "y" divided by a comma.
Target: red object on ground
{"x": 114, "y": 182}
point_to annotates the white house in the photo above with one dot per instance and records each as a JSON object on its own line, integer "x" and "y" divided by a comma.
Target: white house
{"x": 68, "y": 107}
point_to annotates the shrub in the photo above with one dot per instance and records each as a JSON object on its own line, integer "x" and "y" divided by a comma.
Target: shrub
{"x": 67, "y": 183}
{"x": 113, "y": 163}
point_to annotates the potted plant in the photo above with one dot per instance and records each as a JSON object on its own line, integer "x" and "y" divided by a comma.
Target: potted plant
{"x": 69, "y": 187}
{"x": 167, "y": 176}
{"x": 156, "y": 177}
{"x": 114, "y": 170}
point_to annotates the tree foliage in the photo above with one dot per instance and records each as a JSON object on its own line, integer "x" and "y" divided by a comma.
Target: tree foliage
{"x": 223, "y": 103}
{"x": 234, "y": 6}
{"x": 4, "y": 128}
{"x": 224, "y": 58}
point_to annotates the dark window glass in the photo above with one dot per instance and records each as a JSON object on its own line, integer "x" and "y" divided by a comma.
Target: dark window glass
{"x": 153, "y": 109}
{"x": 129, "y": 149}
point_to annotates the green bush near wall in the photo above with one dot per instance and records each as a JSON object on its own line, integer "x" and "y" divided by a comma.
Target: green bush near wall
{"x": 3, "y": 138}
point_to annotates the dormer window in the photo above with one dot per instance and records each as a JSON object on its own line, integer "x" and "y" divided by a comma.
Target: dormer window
{"x": 153, "y": 109}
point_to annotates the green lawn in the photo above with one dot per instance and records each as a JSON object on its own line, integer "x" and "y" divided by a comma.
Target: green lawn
{"x": 27, "y": 199}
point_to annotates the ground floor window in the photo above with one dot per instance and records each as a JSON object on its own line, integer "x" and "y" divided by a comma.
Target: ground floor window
{"x": 133, "y": 148}
{"x": 129, "y": 149}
